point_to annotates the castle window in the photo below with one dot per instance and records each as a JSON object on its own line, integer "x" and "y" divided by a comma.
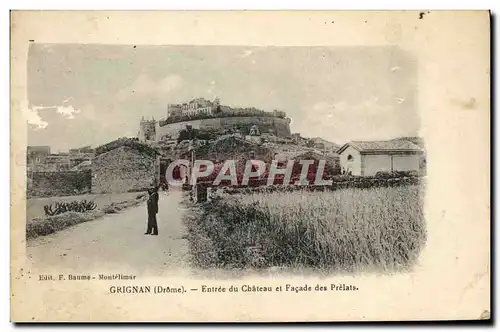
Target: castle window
{"x": 349, "y": 158}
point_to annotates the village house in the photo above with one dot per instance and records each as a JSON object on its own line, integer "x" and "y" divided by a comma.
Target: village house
{"x": 36, "y": 153}
{"x": 366, "y": 158}
{"x": 55, "y": 162}
{"x": 231, "y": 148}
{"x": 84, "y": 165}
{"x": 35, "y": 156}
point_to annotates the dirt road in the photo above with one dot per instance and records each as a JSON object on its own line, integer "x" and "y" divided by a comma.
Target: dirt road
{"x": 116, "y": 242}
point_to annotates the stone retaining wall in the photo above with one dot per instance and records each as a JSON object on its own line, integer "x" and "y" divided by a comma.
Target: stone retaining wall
{"x": 60, "y": 183}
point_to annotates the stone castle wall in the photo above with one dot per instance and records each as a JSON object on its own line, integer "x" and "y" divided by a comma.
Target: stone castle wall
{"x": 280, "y": 127}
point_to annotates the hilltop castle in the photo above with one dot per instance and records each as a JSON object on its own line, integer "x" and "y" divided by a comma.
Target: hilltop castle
{"x": 203, "y": 114}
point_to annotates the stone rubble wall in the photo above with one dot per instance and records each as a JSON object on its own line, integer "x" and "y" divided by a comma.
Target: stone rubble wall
{"x": 124, "y": 169}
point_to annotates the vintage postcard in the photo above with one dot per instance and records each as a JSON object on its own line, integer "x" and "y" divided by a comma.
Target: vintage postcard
{"x": 227, "y": 166}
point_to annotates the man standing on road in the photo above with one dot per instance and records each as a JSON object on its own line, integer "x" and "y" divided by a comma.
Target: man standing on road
{"x": 152, "y": 211}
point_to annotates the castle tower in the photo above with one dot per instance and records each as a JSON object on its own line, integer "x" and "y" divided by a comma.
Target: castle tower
{"x": 147, "y": 130}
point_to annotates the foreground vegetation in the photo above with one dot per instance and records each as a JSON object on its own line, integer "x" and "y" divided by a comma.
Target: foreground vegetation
{"x": 343, "y": 230}
{"x": 73, "y": 213}
{"x": 76, "y": 206}
{"x": 35, "y": 206}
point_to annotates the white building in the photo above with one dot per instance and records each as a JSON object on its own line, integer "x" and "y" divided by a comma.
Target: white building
{"x": 366, "y": 158}
{"x": 197, "y": 106}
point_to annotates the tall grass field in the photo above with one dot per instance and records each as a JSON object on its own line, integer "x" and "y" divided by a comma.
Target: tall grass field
{"x": 344, "y": 230}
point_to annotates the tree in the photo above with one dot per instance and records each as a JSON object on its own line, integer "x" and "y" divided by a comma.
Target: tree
{"x": 310, "y": 143}
{"x": 188, "y": 134}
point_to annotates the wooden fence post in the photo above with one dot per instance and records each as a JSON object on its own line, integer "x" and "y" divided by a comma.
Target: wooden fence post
{"x": 201, "y": 193}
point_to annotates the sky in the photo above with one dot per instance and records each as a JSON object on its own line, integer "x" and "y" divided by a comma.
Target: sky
{"x": 81, "y": 94}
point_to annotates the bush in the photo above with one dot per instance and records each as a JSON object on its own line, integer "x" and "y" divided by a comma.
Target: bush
{"x": 75, "y": 206}
{"x": 138, "y": 190}
{"x": 111, "y": 209}
{"x": 396, "y": 174}
{"x": 344, "y": 230}
{"x": 409, "y": 173}
{"x": 117, "y": 207}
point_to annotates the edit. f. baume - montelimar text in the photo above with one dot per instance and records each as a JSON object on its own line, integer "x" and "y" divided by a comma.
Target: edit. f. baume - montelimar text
{"x": 86, "y": 277}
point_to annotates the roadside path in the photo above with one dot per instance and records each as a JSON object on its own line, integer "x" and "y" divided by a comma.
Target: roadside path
{"x": 116, "y": 242}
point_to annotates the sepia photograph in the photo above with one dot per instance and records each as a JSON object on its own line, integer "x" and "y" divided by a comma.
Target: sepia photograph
{"x": 109, "y": 123}
{"x": 239, "y": 168}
